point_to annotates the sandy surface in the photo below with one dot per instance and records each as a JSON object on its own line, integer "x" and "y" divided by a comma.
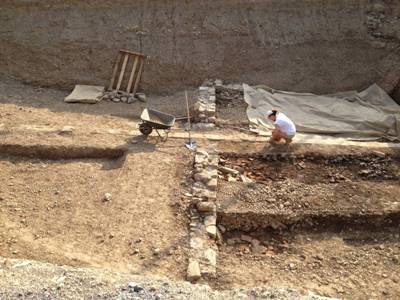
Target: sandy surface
{"x": 46, "y": 107}
{"x": 54, "y": 210}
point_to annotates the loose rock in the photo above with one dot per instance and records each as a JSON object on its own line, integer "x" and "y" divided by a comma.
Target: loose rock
{"x": 193, "y": 271}
{"x": 141, "y": 97}
{"x": 206, "y": 207}
{"x": 67, "y": 130}
{"x": 107, "y": 197}
{"x": 228, "y": 170}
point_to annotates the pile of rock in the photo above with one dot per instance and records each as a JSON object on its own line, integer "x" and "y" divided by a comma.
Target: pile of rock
{"x": 204, "y": 110}
{"x": 203, "y": 217}
{"x": 229, "y": 95}
{"x": 232, "y": 175}
{"x": 254, "y": 245}
{"x": 123, "y": 97}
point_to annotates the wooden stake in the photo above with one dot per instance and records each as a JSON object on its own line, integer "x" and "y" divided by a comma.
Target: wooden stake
{"x": 121, "y": 75}
{"x": 139, "y": 75}
{"x": 128, "y": 89}
{"x": 115, "y": 71}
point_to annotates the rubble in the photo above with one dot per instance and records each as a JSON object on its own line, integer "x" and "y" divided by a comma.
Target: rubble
{"x": 229, "y": 94}
{"x": 35, "y": 280}
{"x": 227, "y": 170}
{"x": 245, "y": 179}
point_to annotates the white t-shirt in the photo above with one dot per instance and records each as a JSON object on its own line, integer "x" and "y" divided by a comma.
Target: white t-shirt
{"x": 285, "y": 124}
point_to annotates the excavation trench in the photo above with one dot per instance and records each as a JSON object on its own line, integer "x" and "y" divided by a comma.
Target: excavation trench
{"x": 309, "y": 191}
{"x": 231, "y": 108}
{"x": 56, "y": 152}
{"x": 310, "y": 219}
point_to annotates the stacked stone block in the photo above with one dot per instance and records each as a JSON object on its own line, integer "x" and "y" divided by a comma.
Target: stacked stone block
{"x": 204, "y": 110}
{"x": 203, "y": 217}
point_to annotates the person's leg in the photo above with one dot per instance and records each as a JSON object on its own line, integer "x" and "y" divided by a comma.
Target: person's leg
{"x": 276, "y": 135}
{"x": 288, "y": 139}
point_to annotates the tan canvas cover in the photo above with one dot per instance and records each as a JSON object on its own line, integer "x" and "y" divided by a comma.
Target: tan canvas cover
{"x": 85, "y": 94}
{"x": 370, "y": 113}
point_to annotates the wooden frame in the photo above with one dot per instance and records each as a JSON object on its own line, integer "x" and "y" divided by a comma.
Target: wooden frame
{"x": 124, "y": 80}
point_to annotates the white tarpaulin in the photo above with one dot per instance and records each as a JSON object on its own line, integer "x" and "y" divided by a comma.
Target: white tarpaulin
{"x": 370, "y": 113}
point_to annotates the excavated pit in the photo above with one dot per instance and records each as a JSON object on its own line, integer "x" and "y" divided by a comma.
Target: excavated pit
{"x": 311, "y": 219}
{"x": 231, "y": 107}
{"x": 309, "y": 191}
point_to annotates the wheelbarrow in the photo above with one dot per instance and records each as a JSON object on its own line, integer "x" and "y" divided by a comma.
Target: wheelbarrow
{"x": 154, "y": 119}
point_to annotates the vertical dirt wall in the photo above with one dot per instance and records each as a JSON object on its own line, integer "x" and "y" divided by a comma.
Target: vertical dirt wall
{"x": 309, "y": 45}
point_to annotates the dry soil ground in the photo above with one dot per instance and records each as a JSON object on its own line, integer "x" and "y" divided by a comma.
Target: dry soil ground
{"x": 53, "y": 210}
{"x": 336, "y": 184}
{"x": 335, "y": 224}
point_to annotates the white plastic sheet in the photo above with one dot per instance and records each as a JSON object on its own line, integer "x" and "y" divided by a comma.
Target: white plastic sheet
{"x": 370, "y": 113}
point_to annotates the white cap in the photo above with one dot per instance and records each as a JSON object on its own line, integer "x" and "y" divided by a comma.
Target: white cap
{"x": 269, "y": 113}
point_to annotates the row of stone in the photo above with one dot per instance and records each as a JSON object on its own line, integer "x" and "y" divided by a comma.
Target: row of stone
{"x": 123, "y": 97}
{"x": 203, "y": 217}
{"x": 204, "y": 110}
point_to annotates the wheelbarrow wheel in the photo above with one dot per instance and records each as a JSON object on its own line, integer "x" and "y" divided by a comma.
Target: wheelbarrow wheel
{"x": 145, "y": 129}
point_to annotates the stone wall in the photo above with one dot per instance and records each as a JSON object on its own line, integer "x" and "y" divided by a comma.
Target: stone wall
{"x": 203, "y": 217}
{"x": 299, "y": 45}
{"x": 205, "y": 108}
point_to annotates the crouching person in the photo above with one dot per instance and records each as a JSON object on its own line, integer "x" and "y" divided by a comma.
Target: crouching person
{"x": 284, "y": 127}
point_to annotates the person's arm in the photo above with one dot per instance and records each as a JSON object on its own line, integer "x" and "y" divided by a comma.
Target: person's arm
{"x": 277, "y": 126}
